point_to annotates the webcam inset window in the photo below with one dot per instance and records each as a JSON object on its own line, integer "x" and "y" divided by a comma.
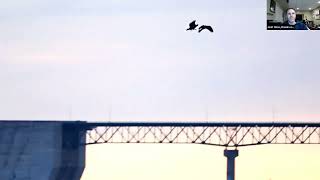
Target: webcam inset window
{"x": 293, "y": 14}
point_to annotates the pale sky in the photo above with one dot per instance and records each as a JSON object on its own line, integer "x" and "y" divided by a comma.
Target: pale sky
{"x": 133, "y": 60}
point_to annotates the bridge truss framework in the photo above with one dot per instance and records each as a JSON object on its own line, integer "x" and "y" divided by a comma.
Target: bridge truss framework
{"x": 228, "y": 134}
{"x": 218, "y": 134}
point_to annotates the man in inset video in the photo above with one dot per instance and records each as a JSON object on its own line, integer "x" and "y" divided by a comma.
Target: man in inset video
{"x": 291, "y": 15}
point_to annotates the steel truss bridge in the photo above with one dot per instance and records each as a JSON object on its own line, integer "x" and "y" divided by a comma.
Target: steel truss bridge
{"x": 226, "y": 134}
{"x": 211, "y": 133}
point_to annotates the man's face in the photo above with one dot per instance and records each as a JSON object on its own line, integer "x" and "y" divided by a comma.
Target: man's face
{"x": 291, "y": 15}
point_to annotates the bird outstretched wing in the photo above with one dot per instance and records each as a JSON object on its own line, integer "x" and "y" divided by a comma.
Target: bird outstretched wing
{"x": 209, "y": 28}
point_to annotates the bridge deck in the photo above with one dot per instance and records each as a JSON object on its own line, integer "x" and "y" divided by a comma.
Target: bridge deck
{"x": 227, "y": 134}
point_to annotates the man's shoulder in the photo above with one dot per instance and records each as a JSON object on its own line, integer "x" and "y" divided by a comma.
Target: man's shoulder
{"x": 300, "y": 25}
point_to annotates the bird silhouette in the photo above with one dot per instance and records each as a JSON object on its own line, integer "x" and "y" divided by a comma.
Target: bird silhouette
{"x": 192, "y": 26}
{"x": 209, "y": 28}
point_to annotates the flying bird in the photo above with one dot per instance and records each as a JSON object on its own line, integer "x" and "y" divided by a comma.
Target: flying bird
{"x": 209, "y": 28}
{"x": 192, "y": 26}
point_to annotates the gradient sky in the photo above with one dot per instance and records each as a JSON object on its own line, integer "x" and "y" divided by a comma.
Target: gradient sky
{"x": 133, "y": 60}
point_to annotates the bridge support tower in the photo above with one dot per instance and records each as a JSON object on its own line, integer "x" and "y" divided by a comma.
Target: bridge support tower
{"x": 231, "y": 156}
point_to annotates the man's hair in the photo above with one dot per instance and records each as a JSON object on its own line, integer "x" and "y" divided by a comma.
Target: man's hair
{"x": 289, "y": 9}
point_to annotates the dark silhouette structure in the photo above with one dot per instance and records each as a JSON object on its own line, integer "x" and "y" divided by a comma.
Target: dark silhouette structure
{"x": 23, "y": 144}
{"x": 209, "y": 28}
{"x": 192, "y": 26}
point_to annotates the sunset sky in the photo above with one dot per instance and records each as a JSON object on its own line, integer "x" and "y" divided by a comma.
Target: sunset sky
{"x": 125, "y": 60}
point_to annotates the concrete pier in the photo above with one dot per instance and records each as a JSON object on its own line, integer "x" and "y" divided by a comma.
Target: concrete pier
{"x": 41, "y": 150}
{"x": 231, "y": 156}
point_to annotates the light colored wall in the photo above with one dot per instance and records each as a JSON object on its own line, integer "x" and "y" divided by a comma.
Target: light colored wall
{"x": 316, "y": 21}
{"x": 306, "y": 14}
{"x": 278, "y": 15}
{"x": 309, "y": 15}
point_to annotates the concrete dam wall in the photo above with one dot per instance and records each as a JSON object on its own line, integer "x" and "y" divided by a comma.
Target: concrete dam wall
{"x": 31, "y": 150}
